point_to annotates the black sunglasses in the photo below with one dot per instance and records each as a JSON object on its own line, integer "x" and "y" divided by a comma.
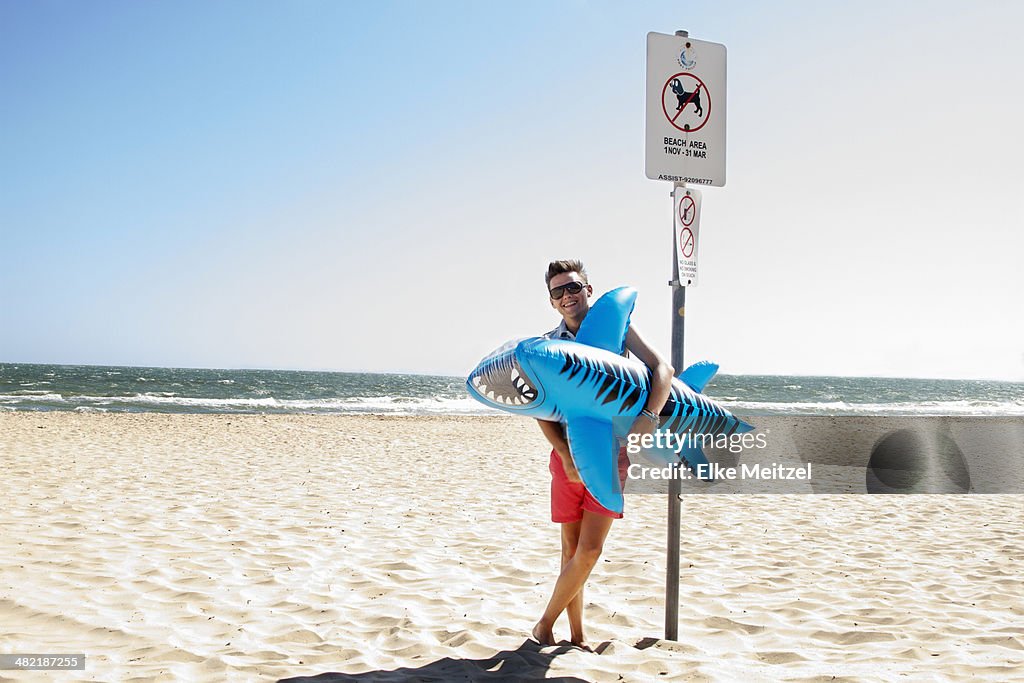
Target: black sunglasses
{"x": 572, "y": 287}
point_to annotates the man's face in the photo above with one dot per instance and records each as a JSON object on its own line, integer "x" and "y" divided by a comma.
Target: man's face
{"x": 572, "y": 307}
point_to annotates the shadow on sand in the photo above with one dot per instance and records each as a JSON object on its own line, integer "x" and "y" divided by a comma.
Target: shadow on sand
{"x": 527, "y": 662}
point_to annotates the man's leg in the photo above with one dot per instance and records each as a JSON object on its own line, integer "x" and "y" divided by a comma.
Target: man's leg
{"x": 593, "y": 530}
{"x": 574, "y": 610}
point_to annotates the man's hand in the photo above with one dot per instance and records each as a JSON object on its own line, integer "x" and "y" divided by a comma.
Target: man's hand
{"x": 571, "y": 473}
{"x": 641, "y": 425}
{"x": 556, "y": 437}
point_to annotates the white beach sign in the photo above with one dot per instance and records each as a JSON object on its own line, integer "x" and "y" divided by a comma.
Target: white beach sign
{"x": 686, "y": 218}
{"x": 686, "y": 102}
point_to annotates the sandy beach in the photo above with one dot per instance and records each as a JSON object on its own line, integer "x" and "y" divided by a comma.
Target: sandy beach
{"x": 222, "y": 548}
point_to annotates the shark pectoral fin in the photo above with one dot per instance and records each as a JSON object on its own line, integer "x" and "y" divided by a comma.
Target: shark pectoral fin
{"x": 698, "y": 375}
{"x": 595, "y": 452}
{"x": 607, "y": 320}
{"x": 693, "y": 457}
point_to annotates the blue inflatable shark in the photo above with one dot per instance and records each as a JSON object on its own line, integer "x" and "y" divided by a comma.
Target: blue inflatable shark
{"x": 587, "y": 385}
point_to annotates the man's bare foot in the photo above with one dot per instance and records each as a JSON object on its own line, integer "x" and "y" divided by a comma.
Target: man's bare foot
{"x": 542, "y": 634}
{"x": 581, "y": 643}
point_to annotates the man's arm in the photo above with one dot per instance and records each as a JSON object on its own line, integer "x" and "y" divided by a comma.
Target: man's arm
{"x": 661, "y": 378}
{"x": 556, "y": 436}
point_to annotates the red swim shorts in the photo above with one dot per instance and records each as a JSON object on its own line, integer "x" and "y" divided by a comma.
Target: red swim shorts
{"x": 569, "y": 499}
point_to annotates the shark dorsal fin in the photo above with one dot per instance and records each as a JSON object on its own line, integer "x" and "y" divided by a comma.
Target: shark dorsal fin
{"x": 698, "y": 375}
{"x": 608, "y": 319}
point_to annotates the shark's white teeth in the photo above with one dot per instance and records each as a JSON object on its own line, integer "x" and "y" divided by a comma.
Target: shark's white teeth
{"x": 521, "y": 386}
{"x": 498, "y": 391}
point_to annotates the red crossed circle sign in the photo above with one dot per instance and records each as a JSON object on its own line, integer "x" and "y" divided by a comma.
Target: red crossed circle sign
{"x": 687, "y": 210}
{"x": 686, "y": 242}
{"x": 686, "y": 102}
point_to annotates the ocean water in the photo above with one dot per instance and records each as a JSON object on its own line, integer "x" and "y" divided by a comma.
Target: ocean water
{"x": 27, "y": 387}
{"x": 179, "y": 390}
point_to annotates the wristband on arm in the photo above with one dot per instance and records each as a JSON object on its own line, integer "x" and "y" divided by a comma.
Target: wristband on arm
{"x": 649, "y": 414}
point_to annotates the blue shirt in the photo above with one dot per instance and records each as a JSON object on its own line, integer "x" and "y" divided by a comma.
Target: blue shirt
{"x": 560, "y": 332}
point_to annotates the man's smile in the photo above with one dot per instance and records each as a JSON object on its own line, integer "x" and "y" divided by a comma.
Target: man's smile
{"x": 572, "y": 302}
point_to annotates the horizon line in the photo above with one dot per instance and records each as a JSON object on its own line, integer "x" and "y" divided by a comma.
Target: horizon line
{"x": 434, "y": 374}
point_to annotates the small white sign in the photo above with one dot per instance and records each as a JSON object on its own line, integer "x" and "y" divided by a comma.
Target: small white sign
{"x": 685, "y": 140}
{"x": 686, "y": 210}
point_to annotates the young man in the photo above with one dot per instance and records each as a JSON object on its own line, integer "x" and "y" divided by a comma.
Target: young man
{"x": 585, "y": 523}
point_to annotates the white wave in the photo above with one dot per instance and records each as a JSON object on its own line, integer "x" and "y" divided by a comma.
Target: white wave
{"x": 161, "y": 399}
{"x": 407, "y": 405}
{"x": 382, "y": 405}
{"x": 417, "y": 406}
{"x": 31, "y": 397}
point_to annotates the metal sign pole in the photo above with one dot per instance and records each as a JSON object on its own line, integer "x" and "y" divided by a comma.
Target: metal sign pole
{"x": 683, "y": 143}
{"x": 675, "y": 486}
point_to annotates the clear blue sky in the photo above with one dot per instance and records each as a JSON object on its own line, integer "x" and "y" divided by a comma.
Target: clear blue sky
{"x": 378, "y": 186}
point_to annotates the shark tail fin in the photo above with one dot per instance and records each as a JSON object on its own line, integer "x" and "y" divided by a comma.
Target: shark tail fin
{"x": 698, "y": 375}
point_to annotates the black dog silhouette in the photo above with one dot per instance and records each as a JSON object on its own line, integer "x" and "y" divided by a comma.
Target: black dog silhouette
{"x": 684, "y": 97}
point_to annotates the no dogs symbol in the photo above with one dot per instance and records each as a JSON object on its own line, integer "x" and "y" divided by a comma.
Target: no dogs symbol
{"x": 686, "y": 102}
